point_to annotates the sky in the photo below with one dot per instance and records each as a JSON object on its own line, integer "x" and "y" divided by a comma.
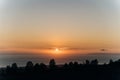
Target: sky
{"x": 89, "y": 25}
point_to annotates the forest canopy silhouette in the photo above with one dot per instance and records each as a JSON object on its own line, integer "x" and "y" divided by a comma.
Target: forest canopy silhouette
{"x": 90, "y": 70}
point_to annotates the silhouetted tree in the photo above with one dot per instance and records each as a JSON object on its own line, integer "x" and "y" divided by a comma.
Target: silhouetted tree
{"x": 43, "y": 67}
{"x": 8, "y": 69}
{"x": 94, "y": 62}
{"x": 37, "y": 67}
{"x": 65, "y": 66}
{"x": 118, "y": 61}
{"x": 87, "y": 62}
{"x": 111, "y": 62}
{"x": 52, "y": 64}
{"x": 14, "y": 66}
{"x": 29, "y": 66}
{"x": 71, "y": 64}
{"x": 76, "y": 64}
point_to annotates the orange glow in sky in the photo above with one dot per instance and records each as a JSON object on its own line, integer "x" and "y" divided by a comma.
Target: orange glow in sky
{"x": 59, "y": 27}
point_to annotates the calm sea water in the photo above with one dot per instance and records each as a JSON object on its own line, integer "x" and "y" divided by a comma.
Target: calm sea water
{"x": 21, "y": 59}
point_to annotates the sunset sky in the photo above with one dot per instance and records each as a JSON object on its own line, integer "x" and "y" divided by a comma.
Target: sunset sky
{"x": 89, "y": 25}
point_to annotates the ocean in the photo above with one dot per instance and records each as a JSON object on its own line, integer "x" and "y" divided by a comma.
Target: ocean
{"x": 22, "y": 59}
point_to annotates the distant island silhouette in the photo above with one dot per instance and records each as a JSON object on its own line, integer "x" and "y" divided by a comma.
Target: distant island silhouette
{"x": 90, "y": 70}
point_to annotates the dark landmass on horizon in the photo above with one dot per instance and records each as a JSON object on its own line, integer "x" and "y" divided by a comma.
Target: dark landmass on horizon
{"x": 90, "y": 70}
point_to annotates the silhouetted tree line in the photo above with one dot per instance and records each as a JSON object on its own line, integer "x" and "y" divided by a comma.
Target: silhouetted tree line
{"x": 90, "y": 70}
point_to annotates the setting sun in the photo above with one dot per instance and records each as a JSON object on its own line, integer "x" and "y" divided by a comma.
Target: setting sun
{"x": 57, "y": 50}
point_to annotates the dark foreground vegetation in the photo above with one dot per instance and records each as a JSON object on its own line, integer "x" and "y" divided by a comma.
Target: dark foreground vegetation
{"x": 90, "y": 70}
